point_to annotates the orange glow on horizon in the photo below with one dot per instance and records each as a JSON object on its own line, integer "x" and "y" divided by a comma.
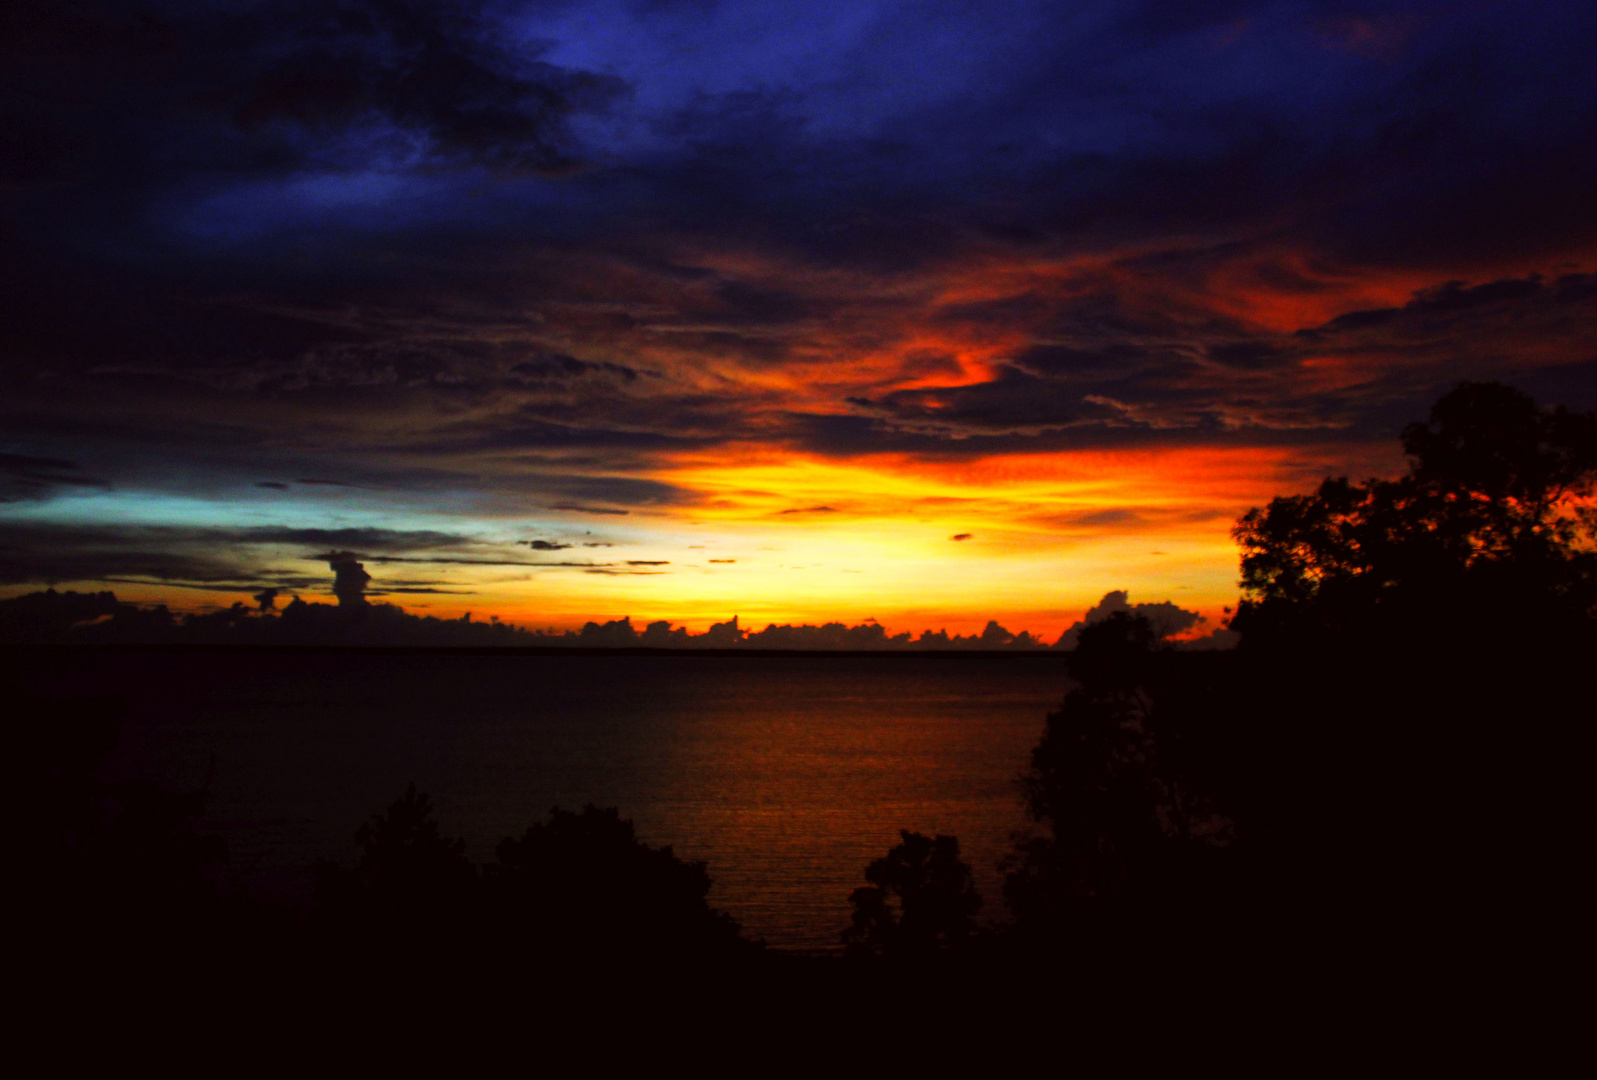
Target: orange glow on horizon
{"x": 806, "y": 539}
{"x": 771, "y": 533}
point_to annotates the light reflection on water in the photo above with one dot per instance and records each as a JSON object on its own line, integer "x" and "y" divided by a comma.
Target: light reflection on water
{"x": 786, "y": 775}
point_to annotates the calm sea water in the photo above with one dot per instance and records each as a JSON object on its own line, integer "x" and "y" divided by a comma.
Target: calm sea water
{"x": 785, "y": 775}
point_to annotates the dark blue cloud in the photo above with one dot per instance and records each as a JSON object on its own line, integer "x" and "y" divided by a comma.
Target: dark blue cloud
{"x": 257, "y": 239}
{"x": 235, "y": 125}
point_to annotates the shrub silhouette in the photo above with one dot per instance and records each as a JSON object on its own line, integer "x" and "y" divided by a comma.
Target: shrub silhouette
{"x": 920, "y": 901}
{"x": 583, "y": 885}
{"x": 572, "y": 891}
{"x": 411, "y": 887}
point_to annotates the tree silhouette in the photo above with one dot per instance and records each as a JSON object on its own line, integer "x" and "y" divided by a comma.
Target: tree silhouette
{"x": 1493, "y": 520}
{"x": 1120, "y": 825}
{"x": 1410, "y": 678}
{"x": 412, "y": 889}
{"x": 920, "y": 901}
{"x": 571, "y": 891}
{"x": 583, "y": 883}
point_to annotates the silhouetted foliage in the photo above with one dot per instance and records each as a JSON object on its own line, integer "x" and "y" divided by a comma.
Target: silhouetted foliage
{"x": 1119, "y": 825}
{"x": 410, "y": 885}
{"x": 1400, "y": 721}
{"x": 572, "y": 891}
{"x": 583, "y": 881}
{"x": 1492, "y": 524}
{"x": 920, "y": 901}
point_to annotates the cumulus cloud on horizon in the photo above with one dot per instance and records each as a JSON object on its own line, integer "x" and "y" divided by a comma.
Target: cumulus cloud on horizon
{"x": 1167, "y": 620}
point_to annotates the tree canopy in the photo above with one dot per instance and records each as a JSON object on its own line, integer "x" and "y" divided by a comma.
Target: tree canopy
{"x": 1494, "y": 520}
{"x": 920, "y": 901}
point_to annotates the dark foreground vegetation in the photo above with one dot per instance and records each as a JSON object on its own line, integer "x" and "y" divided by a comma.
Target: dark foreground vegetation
{"x": 1381, "y": 793}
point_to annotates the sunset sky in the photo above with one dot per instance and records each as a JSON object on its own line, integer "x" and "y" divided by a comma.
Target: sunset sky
{"x": 928, "y": 312}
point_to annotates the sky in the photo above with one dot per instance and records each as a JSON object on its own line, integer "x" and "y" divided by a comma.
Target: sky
{"x": 927, "y": 312}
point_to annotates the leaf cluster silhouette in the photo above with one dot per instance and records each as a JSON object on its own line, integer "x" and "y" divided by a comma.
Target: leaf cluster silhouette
{"x": 575, "y": 890}
{"x": 1493, "y": 525}
{"x": 920, "y": 901}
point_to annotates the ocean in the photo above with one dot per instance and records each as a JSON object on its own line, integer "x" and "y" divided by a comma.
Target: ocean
{"x": 786, "y": 775}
